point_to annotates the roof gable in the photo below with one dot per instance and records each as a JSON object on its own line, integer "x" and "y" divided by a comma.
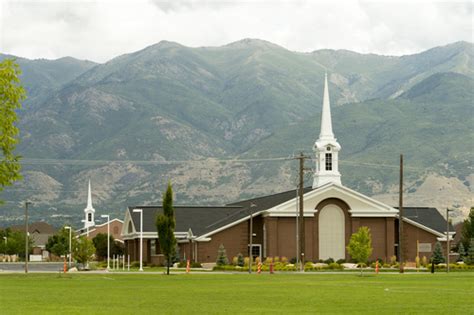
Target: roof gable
{"x": 359, "y": 204}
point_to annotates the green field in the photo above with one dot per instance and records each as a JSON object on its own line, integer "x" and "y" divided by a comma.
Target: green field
{"x": 237, "y": 293}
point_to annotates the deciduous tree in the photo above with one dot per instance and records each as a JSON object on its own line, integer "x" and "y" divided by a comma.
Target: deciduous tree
{"x": 11, "y": 95}
{"x": 58, "y": 244}
{"x": 83, "y": 250}
{"x": 360, "y": 246}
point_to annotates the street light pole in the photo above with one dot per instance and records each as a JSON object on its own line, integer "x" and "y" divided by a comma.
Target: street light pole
{"x": 108, "y": 239}
{"x": 252, "y": 205}
{"x": 141, "y": 236}
{"x": 6, "y": 242}
{"x": 70, "y": 249}
{"x": 26, "y": 235}
{"x": 447, "y": 239}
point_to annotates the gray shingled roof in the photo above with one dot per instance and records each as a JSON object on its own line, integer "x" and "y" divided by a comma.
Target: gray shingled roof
{"x": 205, "y": 219}
{"x": 267, "y": 202}
{"x": 429, "y": 217}
{"x": 200, "y": 219}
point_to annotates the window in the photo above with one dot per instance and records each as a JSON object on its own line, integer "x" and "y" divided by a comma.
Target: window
{"x": 256, "y": 251}
{"x": 89, "y": 217}
{"x": 328, "y": 162}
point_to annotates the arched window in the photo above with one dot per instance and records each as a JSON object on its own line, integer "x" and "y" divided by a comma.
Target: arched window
{"x": 89, "y": 217}
{"x": 328, "y": 162}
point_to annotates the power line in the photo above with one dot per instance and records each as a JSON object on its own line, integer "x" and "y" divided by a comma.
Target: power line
{"x": 34, "y": 161}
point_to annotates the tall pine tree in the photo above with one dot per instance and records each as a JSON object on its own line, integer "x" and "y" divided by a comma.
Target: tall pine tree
{"x": 165, "y": 224}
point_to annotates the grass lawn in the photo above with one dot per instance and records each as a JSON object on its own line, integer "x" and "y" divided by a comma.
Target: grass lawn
{"x": 237, "y": 293}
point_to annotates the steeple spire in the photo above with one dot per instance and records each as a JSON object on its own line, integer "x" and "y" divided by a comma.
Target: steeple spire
{"x": 326, "y": 147}
{"x": 326, "y": 123}
{"x": 89, "y": 197}
{"x": 89, "y": 211}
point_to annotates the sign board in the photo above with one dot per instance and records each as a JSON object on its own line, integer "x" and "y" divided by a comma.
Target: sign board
{"x": 424, "y": 247}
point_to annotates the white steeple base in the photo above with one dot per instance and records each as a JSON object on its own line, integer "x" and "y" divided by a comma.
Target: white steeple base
{"x": 320, "y": 180}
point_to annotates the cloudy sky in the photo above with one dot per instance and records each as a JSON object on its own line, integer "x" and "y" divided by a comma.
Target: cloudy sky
{"x": 102, "y": 29}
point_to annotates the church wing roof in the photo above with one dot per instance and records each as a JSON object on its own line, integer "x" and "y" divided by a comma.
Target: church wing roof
{"x": 270, "y": 201}
{"x": 200, "y": 219}
{"x": 428, "y": 217}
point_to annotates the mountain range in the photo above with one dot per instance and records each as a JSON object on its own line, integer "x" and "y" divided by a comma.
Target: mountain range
{"x": 212, "y": 120}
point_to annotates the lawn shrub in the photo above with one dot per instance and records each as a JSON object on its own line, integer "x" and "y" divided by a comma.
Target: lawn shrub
{"x": 328, "y": 261}
{"x": 284, "y": 260}
{"x": 393, "y": 260}
{"x": 341, "y": 261}
{"x": 335, "y": 266}
{"x": 240, "y": 260}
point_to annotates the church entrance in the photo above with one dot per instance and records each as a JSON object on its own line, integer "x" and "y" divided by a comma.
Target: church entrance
{"x": 331, "y": 233}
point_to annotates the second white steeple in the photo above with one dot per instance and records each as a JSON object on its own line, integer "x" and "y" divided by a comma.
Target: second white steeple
{"x": 326, "y": 147}
{"x": 89, "y": 211}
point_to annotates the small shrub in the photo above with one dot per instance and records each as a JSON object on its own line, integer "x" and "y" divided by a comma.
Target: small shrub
{"x": 222, "y": 256}
{"x": 257, "y": 260}
{"x": 284, "y": 260}
{"x": 341, "y": 261}
{"x": 424, "y": 261}
{"x": 393, "y": 260}
{"x": 328, "y": 261}
{"x": 240, "y": 260}
{"x": 417, "y": 262}
{"x": 276, "y": 259}
{"x": 268, "y": 260}
{"x": 335, "y": 266}
{"x": 234, "y": 260}
{"x": 293, "y": 260}
{"x": 246, "y": 261}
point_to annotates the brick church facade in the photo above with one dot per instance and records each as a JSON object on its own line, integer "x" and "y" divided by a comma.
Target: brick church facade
{"x": 331, "y": 214}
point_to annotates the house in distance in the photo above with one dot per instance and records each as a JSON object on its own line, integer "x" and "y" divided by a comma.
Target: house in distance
{"x": 332, "y": 213}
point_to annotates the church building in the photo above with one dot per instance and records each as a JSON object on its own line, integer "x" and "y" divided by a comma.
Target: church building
{"x": 331, "y": 214}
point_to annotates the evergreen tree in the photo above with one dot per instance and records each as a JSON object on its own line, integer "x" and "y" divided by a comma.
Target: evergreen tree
{"x": 469, "y": 259}
{"x": 437, "y": 256}
{"x": 240, "y": 260}
{"x": 165, "y": 224}
{"x": 222, "y": 256}
{"x": 461, "y": 251}
{"x": 360, "y": 246}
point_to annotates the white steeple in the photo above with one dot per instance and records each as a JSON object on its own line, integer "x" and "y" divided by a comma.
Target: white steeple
{"x": 326, "y": 147}
{"x": 89, "y": 211}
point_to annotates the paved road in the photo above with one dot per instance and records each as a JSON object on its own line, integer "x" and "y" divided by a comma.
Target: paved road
{"x": 32, "y": 266}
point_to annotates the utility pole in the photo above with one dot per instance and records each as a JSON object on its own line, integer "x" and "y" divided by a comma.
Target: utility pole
{"x": 447, "y": 239}
{"x": 400, "y": 216}
{"x": 301, "y": 230}
{"x": 26, "y": 235}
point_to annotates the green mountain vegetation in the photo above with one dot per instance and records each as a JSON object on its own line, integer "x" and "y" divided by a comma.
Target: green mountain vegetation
{"x": 127, "y": 123}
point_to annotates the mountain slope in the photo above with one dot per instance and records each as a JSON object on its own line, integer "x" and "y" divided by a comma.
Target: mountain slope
{"x": 135, "y": 117}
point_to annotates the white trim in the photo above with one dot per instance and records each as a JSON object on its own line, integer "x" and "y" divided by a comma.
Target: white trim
{"x": 372, "y": 214}
{"x": 306, "y": 213}
{"x": 105, "y": 223}
{"x": 386, "y": 209}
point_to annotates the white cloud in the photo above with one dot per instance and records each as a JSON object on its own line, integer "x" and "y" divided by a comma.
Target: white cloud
{"x": 100, "y": 30}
